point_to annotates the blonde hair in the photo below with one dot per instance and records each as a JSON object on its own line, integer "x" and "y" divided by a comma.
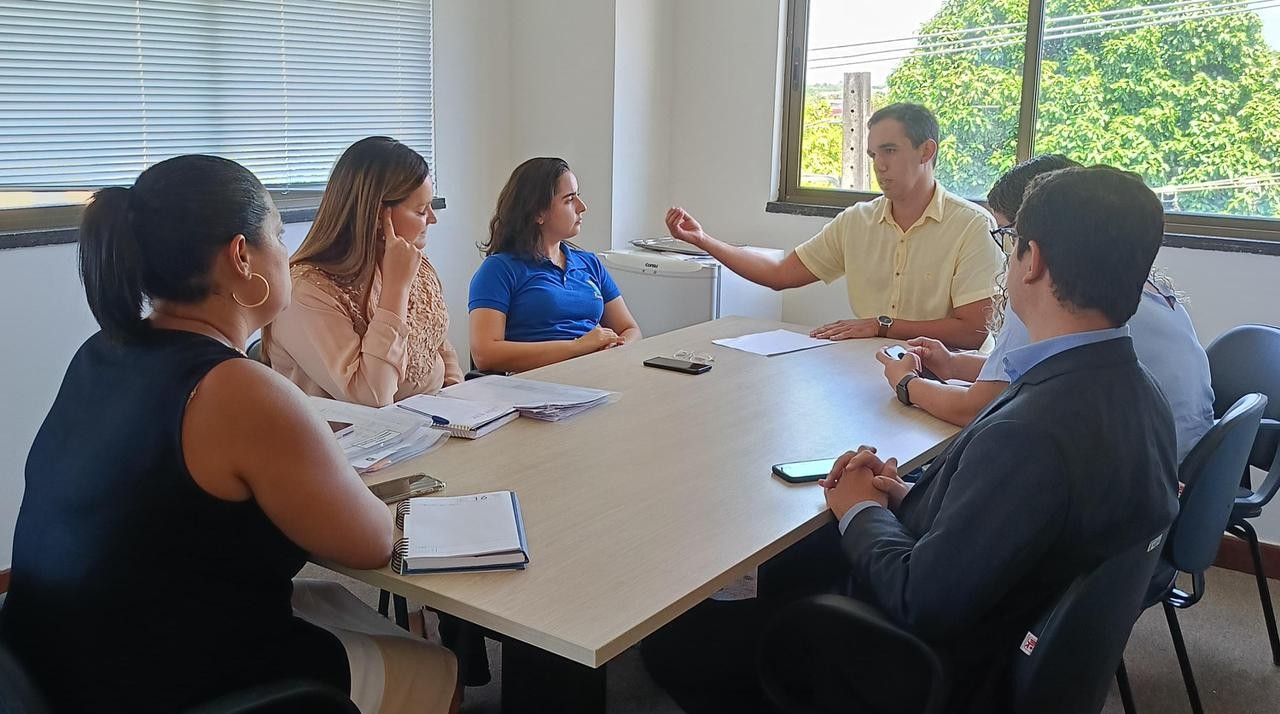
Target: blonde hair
{"x": 372, "y": 174}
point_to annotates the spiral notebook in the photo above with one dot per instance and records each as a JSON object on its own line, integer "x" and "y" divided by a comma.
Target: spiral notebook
{"x": 483, "y": 531}
{"x": 460, "y": 417}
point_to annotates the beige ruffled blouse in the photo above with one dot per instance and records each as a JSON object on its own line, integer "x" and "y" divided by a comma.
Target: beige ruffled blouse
{"x": 329, "y": 346}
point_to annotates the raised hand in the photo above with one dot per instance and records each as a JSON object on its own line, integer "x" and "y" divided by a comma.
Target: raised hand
{"x": 682, "y": 226}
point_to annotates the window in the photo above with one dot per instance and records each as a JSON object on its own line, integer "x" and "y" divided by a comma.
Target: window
{"x": 1184, "y": 92}
{"x": 94, "y": 92}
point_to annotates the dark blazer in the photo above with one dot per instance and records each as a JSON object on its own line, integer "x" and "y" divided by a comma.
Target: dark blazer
{"x": 1074, "y": 462}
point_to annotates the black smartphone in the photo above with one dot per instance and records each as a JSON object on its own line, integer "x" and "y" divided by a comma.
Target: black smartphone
{"x": 899, "y": 352}
{"x": 677, "y": 365}
{"x": 803, "y": 471}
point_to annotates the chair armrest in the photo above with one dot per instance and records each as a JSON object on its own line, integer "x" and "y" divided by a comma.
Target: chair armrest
{"x": 832, "y": 653}
{"x": 290, "y": 695}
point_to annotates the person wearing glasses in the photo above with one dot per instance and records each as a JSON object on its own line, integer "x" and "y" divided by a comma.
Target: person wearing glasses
{"x": 917, "y": 260}
{"x": 1163, "y": 337}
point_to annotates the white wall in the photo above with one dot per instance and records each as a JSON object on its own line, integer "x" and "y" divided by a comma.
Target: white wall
{"x": 473, "y": 116}
{"x": 44, "y": 321}
{"x": 561, "y": 98}
{"x": 643, "y": 73}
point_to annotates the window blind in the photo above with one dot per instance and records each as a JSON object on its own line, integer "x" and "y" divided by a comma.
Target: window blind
{"x": 93, "y": 92}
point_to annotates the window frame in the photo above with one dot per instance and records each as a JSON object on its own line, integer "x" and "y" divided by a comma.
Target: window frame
{"x": 793, "y": 91}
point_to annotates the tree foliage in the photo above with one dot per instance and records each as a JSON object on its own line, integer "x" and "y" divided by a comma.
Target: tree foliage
{"x": 1180, "y": 103}
{"x": 821, "y": 147}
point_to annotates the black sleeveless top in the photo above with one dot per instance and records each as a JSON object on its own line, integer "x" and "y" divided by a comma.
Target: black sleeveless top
{"x": 132, "y": 588}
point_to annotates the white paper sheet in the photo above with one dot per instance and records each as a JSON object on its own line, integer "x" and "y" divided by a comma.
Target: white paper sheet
{"x": 772, "y": 343}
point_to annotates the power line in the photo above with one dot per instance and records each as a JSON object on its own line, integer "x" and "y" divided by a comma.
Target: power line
{"x": 1012, "y": 40}
{"x": 1008, "y": 39}
{"x": 1012, "y": 25}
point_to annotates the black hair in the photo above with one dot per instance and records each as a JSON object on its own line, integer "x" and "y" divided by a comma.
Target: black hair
{"x": 1005, "y": 196}
{"x": 1098, "y": 229}
{"x": 158, "y": 238}
{"x": 918, "y": 122}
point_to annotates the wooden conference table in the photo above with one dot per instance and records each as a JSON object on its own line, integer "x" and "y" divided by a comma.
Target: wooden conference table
{"x": 637, "y": 510}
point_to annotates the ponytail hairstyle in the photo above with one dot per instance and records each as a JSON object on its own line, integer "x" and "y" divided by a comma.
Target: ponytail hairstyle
{"x": 158, "y": 239}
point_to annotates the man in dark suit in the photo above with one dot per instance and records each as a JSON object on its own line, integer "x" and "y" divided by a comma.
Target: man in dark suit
{"x": 1073, "y": 463}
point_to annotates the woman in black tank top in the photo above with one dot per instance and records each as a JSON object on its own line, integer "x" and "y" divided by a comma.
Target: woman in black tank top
{"x": 175, "y": 487}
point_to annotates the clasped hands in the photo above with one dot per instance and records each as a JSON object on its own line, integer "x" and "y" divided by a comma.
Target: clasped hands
{"x": 859, "y": 476}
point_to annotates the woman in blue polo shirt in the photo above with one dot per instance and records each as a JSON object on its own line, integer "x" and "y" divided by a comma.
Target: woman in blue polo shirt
{"x": 537, "y": 299}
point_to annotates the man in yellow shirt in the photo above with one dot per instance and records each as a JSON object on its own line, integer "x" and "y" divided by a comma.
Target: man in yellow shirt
{"x": 933, "y": 278}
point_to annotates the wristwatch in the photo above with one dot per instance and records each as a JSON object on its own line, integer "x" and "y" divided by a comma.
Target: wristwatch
{"x": 885, "y": 323}
{"x": 904, "y": 396}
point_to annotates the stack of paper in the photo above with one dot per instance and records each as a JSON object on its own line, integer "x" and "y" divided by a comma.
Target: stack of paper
{"x": 378, "y": 438}
{"x": 540, "y": 400}
{"x": 459, "y": 417}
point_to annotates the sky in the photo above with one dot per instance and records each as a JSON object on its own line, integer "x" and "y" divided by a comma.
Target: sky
{"x": 839, "y": 22}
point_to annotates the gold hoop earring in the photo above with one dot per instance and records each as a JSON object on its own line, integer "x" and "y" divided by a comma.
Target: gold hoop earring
{"x": 264, "y": 297}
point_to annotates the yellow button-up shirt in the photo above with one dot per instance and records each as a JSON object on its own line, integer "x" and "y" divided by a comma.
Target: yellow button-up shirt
{"x": 945, "y": 260}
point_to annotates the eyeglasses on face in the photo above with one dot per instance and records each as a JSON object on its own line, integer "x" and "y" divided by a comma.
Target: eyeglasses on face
{"x": 1005, "y": 237}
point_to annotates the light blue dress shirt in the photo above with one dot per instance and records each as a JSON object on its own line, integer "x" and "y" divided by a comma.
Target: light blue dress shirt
{"x": 1167, "y": 346}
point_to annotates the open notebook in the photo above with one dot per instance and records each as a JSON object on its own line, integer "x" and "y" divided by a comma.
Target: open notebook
{"x": 483, "y": 531}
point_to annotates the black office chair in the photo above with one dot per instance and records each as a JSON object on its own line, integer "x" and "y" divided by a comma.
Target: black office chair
{"x": 815, "y": 653}
{"x": 1211, "y": 474}
{"x": 19, "y": 695}
{"x": 1247, "y": 359}
{"x": 254, "y": 351}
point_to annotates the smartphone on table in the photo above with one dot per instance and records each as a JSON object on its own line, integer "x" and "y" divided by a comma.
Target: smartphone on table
{"x": 406, "y": 487}
{"x": 803, "y": 471}
{"x": 899, "y": 352}
{"x": 677, "y": 365}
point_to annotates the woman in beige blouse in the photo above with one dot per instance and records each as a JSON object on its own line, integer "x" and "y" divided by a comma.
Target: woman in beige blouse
{"x": 368, "y": 322}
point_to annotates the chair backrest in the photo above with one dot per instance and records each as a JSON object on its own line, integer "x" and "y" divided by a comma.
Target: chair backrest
{"x": 831, "y": 654}
{"x": 1211, "y": 474}
{"x": 1246, "y": 359}
{"x": 254, "y": 351}
{"x": 1066, "y": 661}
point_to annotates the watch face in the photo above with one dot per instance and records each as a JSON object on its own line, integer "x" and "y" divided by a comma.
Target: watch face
{"x": 885, "y": 320}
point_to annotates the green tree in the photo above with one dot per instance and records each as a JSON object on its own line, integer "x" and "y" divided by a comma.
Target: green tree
{"x": 820, "y": 143}
{"x": 1181, "y": 103}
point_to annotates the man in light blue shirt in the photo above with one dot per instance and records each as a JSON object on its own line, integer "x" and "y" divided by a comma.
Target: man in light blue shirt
{"x": 1167, "y": 346}
{"x": 1163, "y": 337}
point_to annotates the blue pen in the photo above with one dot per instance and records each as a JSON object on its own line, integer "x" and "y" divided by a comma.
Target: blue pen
{"x": 435, "y": 420}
